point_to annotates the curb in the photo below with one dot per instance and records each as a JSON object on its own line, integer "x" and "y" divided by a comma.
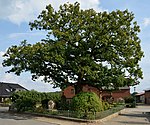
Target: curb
{"x": 110, "y": 116}
{"x": 78, "y": 120}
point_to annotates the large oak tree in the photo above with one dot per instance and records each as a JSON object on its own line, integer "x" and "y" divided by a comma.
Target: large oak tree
{"x": 101, "y": 49}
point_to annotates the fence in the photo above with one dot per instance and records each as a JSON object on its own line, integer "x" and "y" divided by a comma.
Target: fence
{"x": 86, "y": 115}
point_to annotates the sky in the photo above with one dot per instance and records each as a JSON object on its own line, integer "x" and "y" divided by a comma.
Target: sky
{"x": 15, "y": 16}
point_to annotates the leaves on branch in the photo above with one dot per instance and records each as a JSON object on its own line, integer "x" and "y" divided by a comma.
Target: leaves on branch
{"x": 100, "y": 49}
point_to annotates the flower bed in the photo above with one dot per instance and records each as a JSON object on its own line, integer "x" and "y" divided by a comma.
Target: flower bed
{"x": 81, "y": 115}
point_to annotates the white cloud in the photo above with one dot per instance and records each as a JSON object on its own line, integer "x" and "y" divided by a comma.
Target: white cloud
{"x": 26, "y": 82}
{"x": 18, "y": 11}
{"x": 26, "y": 34}
{"x": 24, "y": 79}
{"x": 1, "y": 58}
{"x": 146, "y": 21}
{"x": 1, "y": 53}
{"x": 85, "y": 4}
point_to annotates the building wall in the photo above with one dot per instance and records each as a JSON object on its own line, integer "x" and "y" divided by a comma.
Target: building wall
{"x": 87, "y": 88}
{"x": 69, "y": 93}
{"x": 140, "y": 98}
{"x": 121, "y": 94}
{"x": 147, "y": 97}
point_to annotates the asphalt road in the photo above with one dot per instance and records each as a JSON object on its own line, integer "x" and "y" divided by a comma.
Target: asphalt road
{"x": 132, "y": 116}
{"x": 16, "y": 119}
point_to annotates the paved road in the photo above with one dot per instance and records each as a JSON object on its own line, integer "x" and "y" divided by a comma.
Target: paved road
{"x": 16, "y": 119}
{"x": 132, "y": 116}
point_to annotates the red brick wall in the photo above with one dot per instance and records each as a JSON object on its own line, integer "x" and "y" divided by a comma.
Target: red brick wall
{"x": 121, "y": 94}
{"x": 147, "y": 97}
{"x": 68, "y": 92}
{"x": 87, "y": 88}
{"x": 116, "y": 94}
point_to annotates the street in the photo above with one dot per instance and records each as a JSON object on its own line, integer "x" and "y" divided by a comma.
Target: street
{"x": 17, "y": 119}
{"x": 131, "y": 116}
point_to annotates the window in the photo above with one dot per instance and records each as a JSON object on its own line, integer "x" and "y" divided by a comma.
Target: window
{"x": 7, "y": 90}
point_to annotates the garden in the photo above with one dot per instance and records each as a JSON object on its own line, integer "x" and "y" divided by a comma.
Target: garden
{"x": 100, "y": 49}
{"x": 85, "y": 105}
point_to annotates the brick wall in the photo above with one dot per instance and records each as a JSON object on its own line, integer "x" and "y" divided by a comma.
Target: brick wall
{"x": 147, "y": 97}
{"x": 87, "y": 88}
{"x": 69, "y": 92}
{"x": 121, "y": 94}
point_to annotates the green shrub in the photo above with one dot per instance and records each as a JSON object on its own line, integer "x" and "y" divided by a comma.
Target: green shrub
{"x": 25, "y": 104}
{"x": 129, "y": 99}
{"x": 106, "y": 105}
{"x": 86, "y": 102}
{"x": 63, "y": 104}
{"x": 130, "y": 102}
{"x": 33, "y": 97}
{"x": 45, "y": 103}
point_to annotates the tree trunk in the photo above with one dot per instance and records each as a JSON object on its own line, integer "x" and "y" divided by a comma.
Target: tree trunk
{"x": 78, "y": 88}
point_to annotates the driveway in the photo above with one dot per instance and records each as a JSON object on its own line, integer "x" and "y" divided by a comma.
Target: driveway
{"x": 132, "y": 116}
{"x": 17, "y": 119}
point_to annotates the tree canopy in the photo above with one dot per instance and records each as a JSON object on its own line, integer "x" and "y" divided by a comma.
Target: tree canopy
{"x": 101, "y": 49}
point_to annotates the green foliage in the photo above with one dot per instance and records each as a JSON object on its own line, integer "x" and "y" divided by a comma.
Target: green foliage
{"x": 130, "y": 102}
{"x": 25, "y": 104}
{"x": 45, "y": 103}
{"x": 39, "y": 109}
{"x": 129, "y": 99}
{"x": 26, "y": 100}
{"x": 63, "y": 104}
{"x": 84, "y": 46}
{"x": 85, "y": 102}
{"x": 106, "y": 105}
{"x": 34, "y": 95}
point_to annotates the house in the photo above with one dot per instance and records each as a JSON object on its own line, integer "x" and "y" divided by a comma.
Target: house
{"x": 123, "y": 92}
{"x": 140, "y": 97}
{"x": 116, "y": 95}
{"x": 147, "y": 96}
{"x": 6, "y": 90}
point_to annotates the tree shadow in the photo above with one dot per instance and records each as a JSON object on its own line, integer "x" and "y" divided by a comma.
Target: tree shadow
{"x": 133, "y": 115}
{"x": 133, "y": 123}
{"x": 147, "y": 115}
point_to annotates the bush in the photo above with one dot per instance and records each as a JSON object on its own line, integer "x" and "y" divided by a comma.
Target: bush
{"x": 25, "y": 104}
{"x": 130, "y": 102}
{"x": 129, "y": 99}
{"x": 106, "y": 105}
{"x": 45, "y": 103}
{"x": 32, "y": 98}
{"x": 86, "y": 102}
{"x": 63, "y": 104}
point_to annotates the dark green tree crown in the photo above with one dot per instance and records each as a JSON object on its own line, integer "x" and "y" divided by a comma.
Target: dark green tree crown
{"x": 81, "y": 46}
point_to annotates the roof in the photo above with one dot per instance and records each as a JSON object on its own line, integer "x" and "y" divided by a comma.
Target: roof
{"x": 148, "y": 89}
{"x": 119, "y": 88}
{"x": 140, "y": 94}
{"x": 6, "y": 89}
{"x": 125, "y": 87}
